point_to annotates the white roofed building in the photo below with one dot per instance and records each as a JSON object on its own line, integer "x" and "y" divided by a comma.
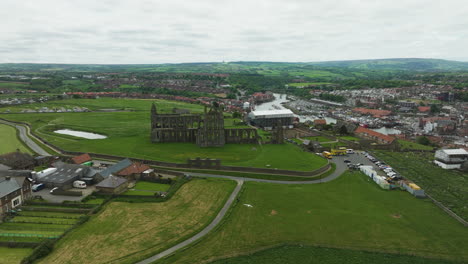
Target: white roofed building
{"x": 450, "y": 158}
{"x": 269, "y": 119}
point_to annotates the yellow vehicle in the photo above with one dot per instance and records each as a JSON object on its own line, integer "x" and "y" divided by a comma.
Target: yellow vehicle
{"x": 338, "y": 152}
{"x": 327, "y": 154}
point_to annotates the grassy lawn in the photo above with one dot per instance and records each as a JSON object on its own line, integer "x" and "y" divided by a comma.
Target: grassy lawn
{"x": 333, "y": 145}
{"x": 126, "y": 232}
{"x": 350, "y": 212}
{"x": 307, "y": 254}
{"x": 43, "y": 220}
{"x": 350, "y": 138}
{"x": 128, "y": 135}
{"x": 412, "y": 145}
{"x": 13, "y": 255}
{"x": 9, "y": 141}
{"x": 319, "y": 139}
{"x": 307, "y": 84}
{"x": 449, "y": 187}
{"x": 151, "y": 186}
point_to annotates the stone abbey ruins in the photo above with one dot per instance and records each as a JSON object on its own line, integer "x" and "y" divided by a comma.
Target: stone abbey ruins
{"x": 206, "y": 130}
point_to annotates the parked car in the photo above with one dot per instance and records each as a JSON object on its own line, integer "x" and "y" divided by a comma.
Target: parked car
{"x": 38, "y": 187}
{"x": 53, "y": 189}
{"x": 79, "y": 184}
{"x": 347, "y": 161}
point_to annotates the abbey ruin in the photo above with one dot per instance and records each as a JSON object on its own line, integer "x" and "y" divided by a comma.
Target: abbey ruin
{"x": 206, "y": 130}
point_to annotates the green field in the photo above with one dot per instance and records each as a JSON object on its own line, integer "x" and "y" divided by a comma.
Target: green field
{"x": 350, "y": 212}
{"x": 9, "y": 141}
{"x": 450, "y": 187}
{"x": 128, "y": 135}
{"x": 13, "y": 255}
{"x": 14, "y": 85}
{"x": 319, "y": 139}
{"x": 300, "y": 254}
{"x": 350, "y": 138}
{"x": 308, "y": 84}
{"x": 412, "y": 145}
{"x": 126, "y": 232}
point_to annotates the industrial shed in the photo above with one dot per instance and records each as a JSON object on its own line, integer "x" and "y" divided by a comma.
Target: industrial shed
{"x": 269, "y": 119}
{"x": 63, "y": 175}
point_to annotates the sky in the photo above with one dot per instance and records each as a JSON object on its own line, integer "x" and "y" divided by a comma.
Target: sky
{"x": 175, "y": 31}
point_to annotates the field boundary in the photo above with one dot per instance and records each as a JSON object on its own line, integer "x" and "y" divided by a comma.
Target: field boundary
{"x": 448, "y": 211}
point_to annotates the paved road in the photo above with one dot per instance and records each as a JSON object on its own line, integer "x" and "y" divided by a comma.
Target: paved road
{"x": 204, "y": 232}
{"x": 24, "y": 137}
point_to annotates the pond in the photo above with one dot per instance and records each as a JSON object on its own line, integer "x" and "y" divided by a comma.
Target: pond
{"x": 80, "y": 134}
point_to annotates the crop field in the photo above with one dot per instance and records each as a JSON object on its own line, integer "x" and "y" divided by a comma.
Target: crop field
{"x": 126, "y": 232}
{"x": 9, "y": 141}
{"x": 128, "y": 135}
{"x": 32, "y": 226}
{"x": 449, "y": 187}
{"x": 319, "y": 255}
{"x": 350, "y": 212}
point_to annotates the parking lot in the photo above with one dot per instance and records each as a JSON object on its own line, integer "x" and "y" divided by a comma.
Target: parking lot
{"x": 46, "y": 195}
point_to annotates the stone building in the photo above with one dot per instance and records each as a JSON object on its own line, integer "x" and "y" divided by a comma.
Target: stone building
{"x": 206, "y": 130}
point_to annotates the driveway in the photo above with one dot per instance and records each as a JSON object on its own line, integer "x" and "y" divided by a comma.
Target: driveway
{"x": 46, "y": 195}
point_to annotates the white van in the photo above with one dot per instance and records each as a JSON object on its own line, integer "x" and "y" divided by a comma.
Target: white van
{"x": 79, "y": 184}
{"x": 349, "y": 151}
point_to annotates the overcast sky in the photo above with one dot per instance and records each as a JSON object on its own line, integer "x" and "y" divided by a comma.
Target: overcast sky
{"x": 144, "y": 31}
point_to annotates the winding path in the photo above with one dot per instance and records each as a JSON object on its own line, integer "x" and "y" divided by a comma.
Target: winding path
{"x": 201, "y": 234}
{"x": 23, "y": 134}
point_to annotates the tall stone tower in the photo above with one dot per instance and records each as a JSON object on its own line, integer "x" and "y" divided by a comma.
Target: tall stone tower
{"x": 211, "y": 131}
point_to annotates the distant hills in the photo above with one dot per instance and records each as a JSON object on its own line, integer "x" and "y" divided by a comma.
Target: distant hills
{"x": 399, "y": 64}
{"x": 268, "y": 68}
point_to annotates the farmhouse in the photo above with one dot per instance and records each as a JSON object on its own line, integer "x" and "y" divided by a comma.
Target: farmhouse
{"x": 133, "y": 171}
{"x": 13, "y": 191}
{"x": 113, "y": 169}
{"x": 81, "y": 159}
{"x": 450, "y": 158}
{"x": 269, "y": 119}
{"x": 112, "y": 184}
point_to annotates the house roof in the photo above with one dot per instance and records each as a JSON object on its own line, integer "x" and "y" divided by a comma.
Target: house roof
{"x": 373, "y": 133}
{"x": 115, "y": 168}
{"x": 81, "y": 158}
{"x": 136, "y": 167}
{"x": 8, "y": 186}
{"x": 424, "y": 108}
{"x": 320, "y": 121}
{"x": 111, "y": 182}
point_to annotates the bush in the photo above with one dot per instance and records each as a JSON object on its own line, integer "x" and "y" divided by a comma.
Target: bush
{"x": 44, "y": 249}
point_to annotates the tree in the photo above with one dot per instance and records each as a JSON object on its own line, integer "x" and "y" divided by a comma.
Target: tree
{"x": 423, "y": 140}
{"x": 435, "y": 109}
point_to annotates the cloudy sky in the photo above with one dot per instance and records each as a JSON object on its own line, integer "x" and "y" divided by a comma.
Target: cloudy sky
{"x": 153, "y": 31}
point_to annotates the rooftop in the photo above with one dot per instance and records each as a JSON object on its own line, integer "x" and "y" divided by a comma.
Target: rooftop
{"x": 455, "y": 151}
{"x": 81, "y": 158}
{"x": 272, "y": 113}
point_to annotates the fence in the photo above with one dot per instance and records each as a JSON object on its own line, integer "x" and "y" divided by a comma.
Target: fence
{"x": 448, "y": 211}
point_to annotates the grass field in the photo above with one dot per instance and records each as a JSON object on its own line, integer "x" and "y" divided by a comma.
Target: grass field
{"x": 126, "y": 232}
{"x": 13, "y": 255}
{"x": 412, "y": 145}
{"x": 131, "y": 131}
{"x": 9, "y": 141}
{"x": 350, "y": 138}
{"x": 128, "y": 135}
{"x": 319, "y": 139}
{"x": 300, "y": 254}
{"x": 350, "y": 212}
{"x": 449, "y": 187}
